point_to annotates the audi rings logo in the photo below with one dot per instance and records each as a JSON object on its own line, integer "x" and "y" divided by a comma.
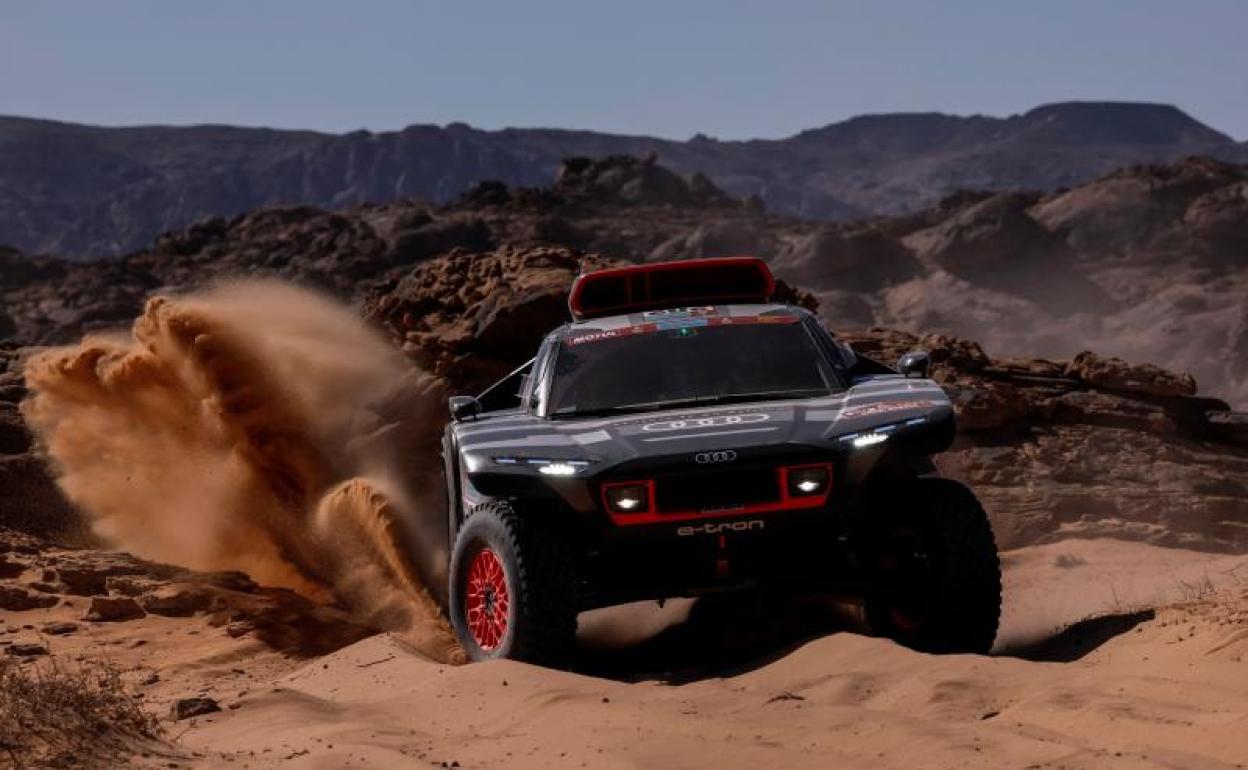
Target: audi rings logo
{"x": 717, "y": 421}
{"x": 725, "y": 456}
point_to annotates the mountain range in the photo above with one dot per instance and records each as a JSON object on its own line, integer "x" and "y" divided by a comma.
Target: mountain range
{"x": 85, "y": 191}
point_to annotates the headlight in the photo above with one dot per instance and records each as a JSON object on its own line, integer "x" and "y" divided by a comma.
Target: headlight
{"x": 808, "y": 480}
{"x": 869, "y": 439}
{"x": 557, "y": 469}
{"x": 628, "y": 497}
{"x": 545, "y": 466}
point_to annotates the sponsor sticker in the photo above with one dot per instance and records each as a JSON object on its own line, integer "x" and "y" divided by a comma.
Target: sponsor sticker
{"x": 681, "y": 323}
{"x": 883, "y": 407}
{"x": 678, "y": 312}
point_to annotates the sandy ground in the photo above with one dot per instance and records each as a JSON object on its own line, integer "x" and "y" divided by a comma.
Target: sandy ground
{"x": 1129, "y": 688}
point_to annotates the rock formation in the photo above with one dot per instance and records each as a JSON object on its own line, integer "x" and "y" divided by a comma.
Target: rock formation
{"x": 1139, "y": 266}
{"x": 1145, "y": 264}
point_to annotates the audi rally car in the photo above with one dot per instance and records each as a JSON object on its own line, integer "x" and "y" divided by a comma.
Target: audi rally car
{"x": 684, "y": 434}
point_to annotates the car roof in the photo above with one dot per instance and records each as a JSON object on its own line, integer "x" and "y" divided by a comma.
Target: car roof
{"x": 609, "y": 323}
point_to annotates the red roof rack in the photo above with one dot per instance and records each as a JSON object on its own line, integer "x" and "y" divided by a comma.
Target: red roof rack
{"x": 620, "y": 290}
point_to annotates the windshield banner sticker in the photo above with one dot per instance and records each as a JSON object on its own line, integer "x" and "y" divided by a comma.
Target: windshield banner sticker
{"x": 675, "y": 324}
{"x": 678, "y": 312}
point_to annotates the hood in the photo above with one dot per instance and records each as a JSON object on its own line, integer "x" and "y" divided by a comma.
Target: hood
{"x": 882, "y": 406}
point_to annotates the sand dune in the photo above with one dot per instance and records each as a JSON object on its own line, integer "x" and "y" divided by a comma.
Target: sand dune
{"x": 1137, "y": 689}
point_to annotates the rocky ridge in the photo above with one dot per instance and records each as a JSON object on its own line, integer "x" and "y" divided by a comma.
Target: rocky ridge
{"x": 91, "y": 191}
{"x": 1145, "y": 263}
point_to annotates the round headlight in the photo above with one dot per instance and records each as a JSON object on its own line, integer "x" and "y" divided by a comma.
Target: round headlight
{"x": 809, "y": 481}
{"x": 627, "y": 498}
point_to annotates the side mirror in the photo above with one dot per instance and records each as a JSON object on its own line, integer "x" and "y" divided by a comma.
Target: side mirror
{"x": 463, "y": 407}
{"x": 914, "y": 364}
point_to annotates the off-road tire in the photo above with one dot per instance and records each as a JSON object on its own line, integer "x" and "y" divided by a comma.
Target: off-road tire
{"x": 957, "y": 561}
{"x": 536, "y": 560}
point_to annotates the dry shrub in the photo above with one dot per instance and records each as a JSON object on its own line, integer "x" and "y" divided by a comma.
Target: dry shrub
{"x": 57, "y": 714}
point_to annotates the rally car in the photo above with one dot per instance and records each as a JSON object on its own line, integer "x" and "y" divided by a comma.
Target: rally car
{"x": 684, "y": 435}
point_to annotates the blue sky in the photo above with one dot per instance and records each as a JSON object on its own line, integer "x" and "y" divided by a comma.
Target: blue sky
{"x": 728, "y": 69}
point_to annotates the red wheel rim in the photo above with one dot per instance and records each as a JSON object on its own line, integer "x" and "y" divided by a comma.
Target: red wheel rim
{"x": 486, "y": 601}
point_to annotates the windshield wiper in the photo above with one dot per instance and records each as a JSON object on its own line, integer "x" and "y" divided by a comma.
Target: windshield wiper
{"x": 722, "y": 398}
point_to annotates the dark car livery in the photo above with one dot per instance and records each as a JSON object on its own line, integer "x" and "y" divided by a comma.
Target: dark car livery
{"x": 684, "y": 435}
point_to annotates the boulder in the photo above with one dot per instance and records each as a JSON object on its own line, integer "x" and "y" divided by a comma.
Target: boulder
{"x": 188, "y": 708}
{"x": 18, "y": 599}
{"x": 986, "y": 405}
{"x": 1115, "y": 374}
{"x": 439, "y": 237}
{"x": 11, "y": 568}
{"x": 88, "y": 573}
{"x": 113, "y": 609}
{"x": 951, "y": 351}
{"x": 178, "y": 600}
{"x": 26, "y": 649}
{"x": 472, "y": 317}
{"x": 59, "y": 628}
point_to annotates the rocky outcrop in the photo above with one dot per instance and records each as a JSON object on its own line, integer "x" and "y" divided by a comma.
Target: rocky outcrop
{"x": 1116, "y": 374}
{"x": 635, "y": 181}
{"x": 29, "y": 499}
{"x": 278, "y": 617}
{"x": 113, "y": 609}
{"x": 472, "y": 317}
{"x": 1087, "y": 447}
{"x": 1143, "y": 264}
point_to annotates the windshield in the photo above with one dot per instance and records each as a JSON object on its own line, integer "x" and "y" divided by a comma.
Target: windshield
{"x": 641, "y": 368}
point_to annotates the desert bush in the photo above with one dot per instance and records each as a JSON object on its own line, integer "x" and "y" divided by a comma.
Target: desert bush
{"x": 69, "y": 715}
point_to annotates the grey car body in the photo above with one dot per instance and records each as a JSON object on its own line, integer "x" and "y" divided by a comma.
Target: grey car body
{"x": 877, "y": 427}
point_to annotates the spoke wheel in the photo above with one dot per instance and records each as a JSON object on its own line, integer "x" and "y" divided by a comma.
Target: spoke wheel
{"x": 487, "y": 603}
{"x": 933, "y": 575}
{"x": 512, "y": 587}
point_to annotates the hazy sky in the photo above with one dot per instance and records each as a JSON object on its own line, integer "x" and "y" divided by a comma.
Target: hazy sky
{"x": 671, "y": 68}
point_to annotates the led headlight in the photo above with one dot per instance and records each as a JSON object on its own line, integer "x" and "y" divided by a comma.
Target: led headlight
{"x": 547, "y": 467}
{"x": 630, "y": 497}
{"x": 869, "y": 439}
{"x": 809, "y": 480}
{"x": 863, "y": 440}
{"x": 557, "y": 469}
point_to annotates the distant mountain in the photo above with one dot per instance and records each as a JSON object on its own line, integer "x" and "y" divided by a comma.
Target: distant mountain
{"x": 87, "y": 191}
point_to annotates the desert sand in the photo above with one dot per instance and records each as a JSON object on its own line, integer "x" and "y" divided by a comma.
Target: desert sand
{"x": 1087, "y": 674}
{"x": 1112, "y": 653}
